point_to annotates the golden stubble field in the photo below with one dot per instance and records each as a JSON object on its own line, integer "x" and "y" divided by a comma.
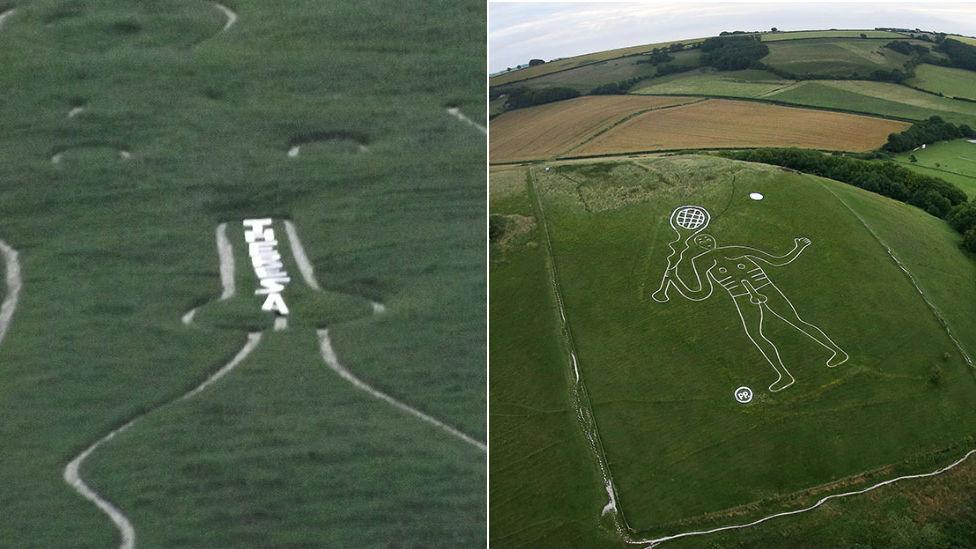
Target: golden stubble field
{"x": 711, "y": 124}
{"x": 549, "y": 130}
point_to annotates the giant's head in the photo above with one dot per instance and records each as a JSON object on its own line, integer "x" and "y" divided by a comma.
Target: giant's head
{"x": 705, "y": 241}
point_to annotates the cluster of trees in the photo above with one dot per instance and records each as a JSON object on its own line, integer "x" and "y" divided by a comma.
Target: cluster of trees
{"x": 960, "y": 54}
{"x": 527, "y": 97}
{"x": 934, "y": 195}
{"x": 616, "y": 88}
{"x": 733, "y": 52}
{"x": 906, "y": 48}
{"x": 925, "y": 132}
{"x": 658, "y": 56}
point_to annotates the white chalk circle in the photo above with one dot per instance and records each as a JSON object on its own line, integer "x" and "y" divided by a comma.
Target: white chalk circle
{"x": 756, "y": 196}
{"x": 743, "y": 395}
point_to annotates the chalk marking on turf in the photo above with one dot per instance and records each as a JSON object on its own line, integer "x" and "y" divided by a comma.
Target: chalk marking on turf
{"x": 225, "y": 254}
{"x": 298, "y": 252}
{"x": 225, "y": 251}
{"x": 75, "y": 111}
{"x": 280, "y": 323}
{"x": 72, "y": 475}
{"x": 5, "y": 15}
{"x": 584, "y": 410}
{"x": 14, "y": 285}
{"x": 229, "y": 13}
{"x": 456, "y": 113}
{"x": 657, "y": 541}
{"x": 752, "y": 278}
{"x": 332, "y": 360}
{"x": 56, "y": 158}
{"x": 904, "y": 269}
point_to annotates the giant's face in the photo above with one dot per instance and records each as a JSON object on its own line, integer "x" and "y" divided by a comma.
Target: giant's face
{"x": 705, "y": 241}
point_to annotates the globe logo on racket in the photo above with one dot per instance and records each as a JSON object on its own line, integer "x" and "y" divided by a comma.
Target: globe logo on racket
{"x": 691, "y": 217}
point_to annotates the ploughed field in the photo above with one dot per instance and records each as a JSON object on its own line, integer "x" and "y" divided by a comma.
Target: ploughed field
{"x": 618, "y": 125}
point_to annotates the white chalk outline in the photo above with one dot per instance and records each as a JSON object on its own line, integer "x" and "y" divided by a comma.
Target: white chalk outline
{"x": 57, "y": 157}
{"x": 225, "y": 261}
{"x": 743, "y": 390}
{"x": 456, "y": 113}
{"x": 75, "y": 111}
{"x": 657, "y": 541}
{"x": 332, "y": 360}
{"x": 72, "y": 475}
{"x": 14, "y": 284}
{"x": 229, "y": 13}
{"x": 748, "y": 280}
{"x": 5, "y": 15}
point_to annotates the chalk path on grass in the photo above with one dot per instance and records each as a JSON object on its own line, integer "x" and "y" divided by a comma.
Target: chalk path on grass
{"x": 456, "y": 113}
{"x": 229, "y": 13}
{"x": 225, "y": 254}
{"x": 5, "y": 15}
{"x": 14, "y": 285}
{"x": 72, "y": 474}
{"x": 332, "y": 360}
{"x": 821, "y": 501}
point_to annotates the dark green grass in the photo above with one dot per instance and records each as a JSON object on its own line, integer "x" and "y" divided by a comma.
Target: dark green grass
{"x": 661, "y": 376}
{"x": 114, "y": 252}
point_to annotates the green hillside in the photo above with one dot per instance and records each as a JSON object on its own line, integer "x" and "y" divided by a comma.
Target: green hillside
{"x": 660, "y": 377}
{"x": 833, "y": 57}
{"x": 945, "y": 81}
{"x": 132, "y": 131}
{"x": 953, "y": 161}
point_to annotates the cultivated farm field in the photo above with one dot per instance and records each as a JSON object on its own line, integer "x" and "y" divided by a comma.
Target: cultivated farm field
{"x": 720, "y": 123}
{"x": 132, "y": 133}
{"x": 550, "y": 130}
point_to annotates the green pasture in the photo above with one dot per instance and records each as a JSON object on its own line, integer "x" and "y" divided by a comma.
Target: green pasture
{"x": 879, "y": 98}
{"x": 954, "y": 161}
{"x": 282, "y": 452}
{"x": 747, "y": 83}
{"x": 798, "y": 35}
{"x": 948, "y": 81}
{"x": 683, "y": 453}
{"x": 832, "y": 57}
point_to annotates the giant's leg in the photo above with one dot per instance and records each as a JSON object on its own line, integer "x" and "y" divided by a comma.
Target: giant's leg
{"x": 752, "y": 317}
{"x": 781, "y": 306}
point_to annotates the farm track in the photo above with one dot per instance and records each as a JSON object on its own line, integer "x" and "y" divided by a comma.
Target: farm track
{"x": 14, "y": 285}
{"x": 72, "y": 474}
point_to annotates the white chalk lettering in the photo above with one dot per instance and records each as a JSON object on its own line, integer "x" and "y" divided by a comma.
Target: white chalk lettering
{"x": 262, "y": 247}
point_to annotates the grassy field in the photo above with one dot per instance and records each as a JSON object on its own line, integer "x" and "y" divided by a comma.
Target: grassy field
{"x": 549, "y": 130}
{"x": 954, "y": 161}
{"x": 579, "y": 60}
{"x": 966, "y": 39}
{"x": 682, "y": 453}
{"x": 798, "y": 35}
{"x": 831, "y": 57}
{"x": 720, "y": 123}
{"x": 587, "y": 77}
{"x": 945, "y": 80}
{"x": 747, "y": 83}
{"x": 282, "y": 452}
{"x": 876, "y": 98}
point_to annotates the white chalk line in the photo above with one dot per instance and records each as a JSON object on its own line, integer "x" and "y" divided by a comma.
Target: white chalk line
{"x": 14, "y": 285}
{"x": 75, "y": 111}
{"x": 72, "y": 474}
{"x": 456, "y": 113}
{"x": 904, "y": 268}
{"x": 58, "y": 157}
{"x": 657, "y": 541}
{"x": 298, "y": 252}
{"x": 225, "y": 255}
{"x": 584, "y": 413}
{"x": 280, "y": 323}
{"x": 229, "y": 13}
{"x": 5, "y": 15}
{"x": 332, "y": 360}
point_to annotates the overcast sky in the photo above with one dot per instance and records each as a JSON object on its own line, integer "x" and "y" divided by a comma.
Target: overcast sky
{"x": 519, "y": 31}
